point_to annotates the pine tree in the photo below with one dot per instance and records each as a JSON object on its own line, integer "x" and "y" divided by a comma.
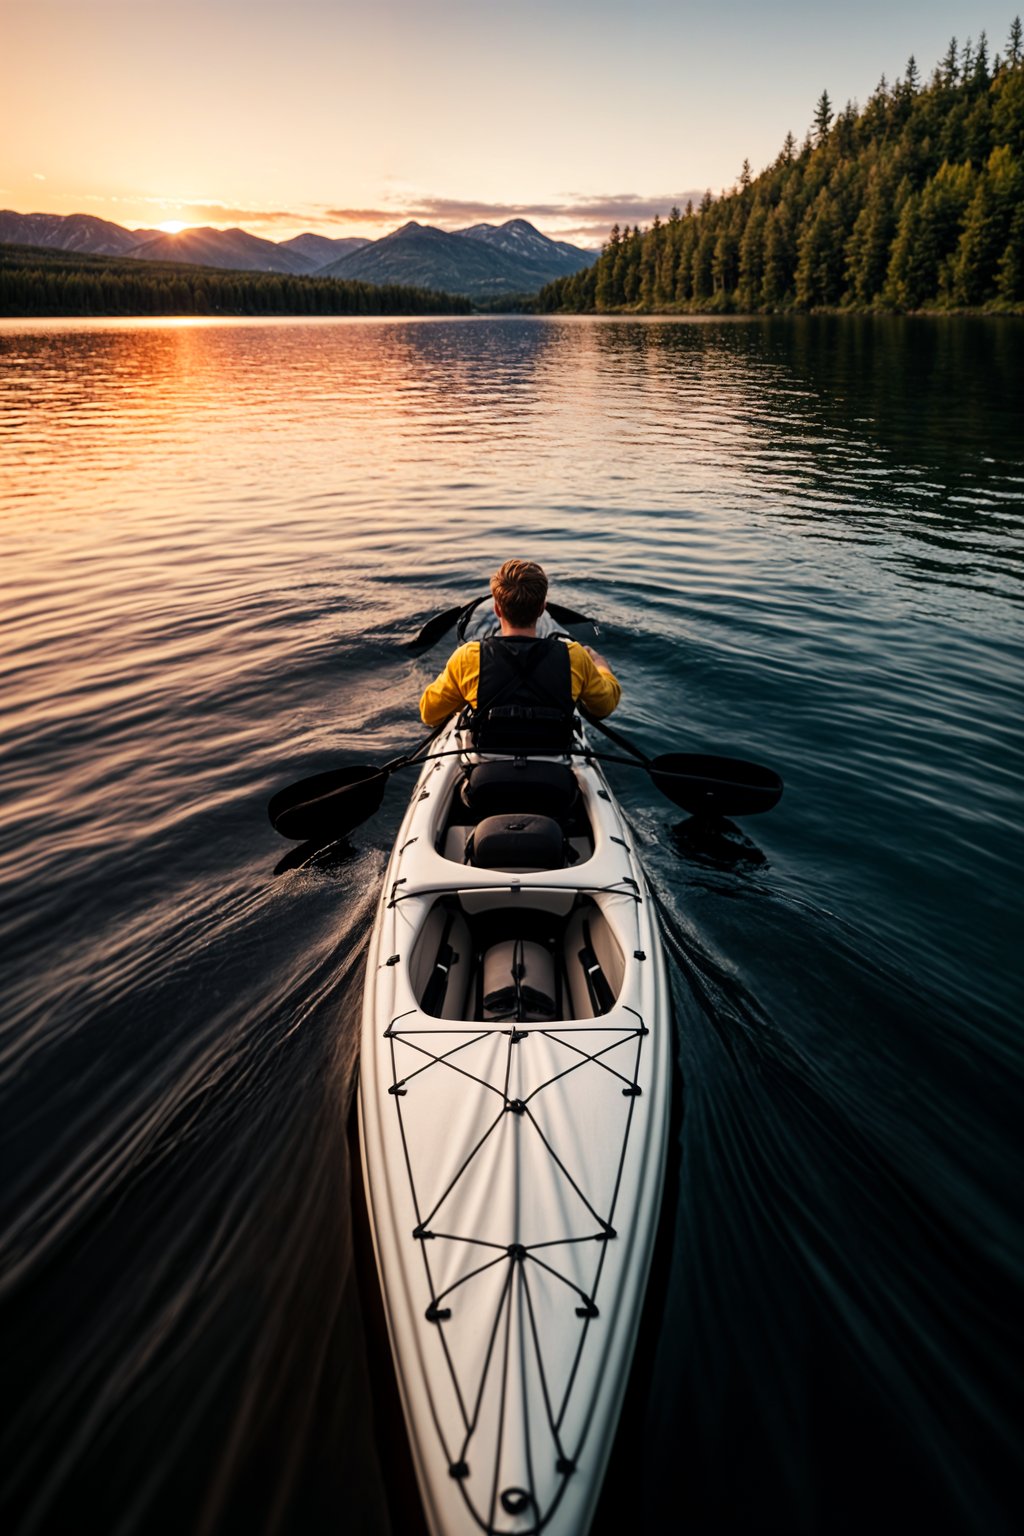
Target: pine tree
{"x": 986, "y": 229}
{"x": 703, "y": 258}
{"x": 1013, "y": 44}
{"x": 867, "y": 250}
{"x": 751, "y": 271}
{"x": 822, "y": 118}
{"x": 683, "y": 288}
{"x": 725, "y": 261}
{"x": 819, "y": 267}
{"x": 649, "y": 257}
{"x": 1010, "y": 275}
{"x": 779, "y": 256}
{"x": 606, "y": 294}
{"x": 950, "y": 66}
{"x": 981, "y": 74}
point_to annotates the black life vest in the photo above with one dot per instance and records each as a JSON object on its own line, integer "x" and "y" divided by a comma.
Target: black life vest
{"x": 524, "y": 696}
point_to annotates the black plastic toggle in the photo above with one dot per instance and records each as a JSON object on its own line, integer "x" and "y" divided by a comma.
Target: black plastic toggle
{"x": 565, "y": 1465}
{"x": 639, "y": 954}
{"x": 516, "y": 1106}
{"x": 632, "y": 1092}
{"x": 459, "y": 1470}
{"x": 588, "y": 1309}
{"x": 516, "y": 1251}
{"x": 392, "y": 960}
{"x": 515, "y": 1500}
{"x": 397, "y": 1089}
{"x": 421, "y": 1233}
{"x": 436, "y": 1314}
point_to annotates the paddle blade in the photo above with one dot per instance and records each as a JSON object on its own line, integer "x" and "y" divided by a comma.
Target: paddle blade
{"x": 434, "y": 628}
{"x": 563, "y": 615}
{"x": 328, "y": 804}
{"x": 715, "y": 786}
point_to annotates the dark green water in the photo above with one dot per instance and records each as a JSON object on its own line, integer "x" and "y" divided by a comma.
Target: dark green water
{"x": 803, "y": 540}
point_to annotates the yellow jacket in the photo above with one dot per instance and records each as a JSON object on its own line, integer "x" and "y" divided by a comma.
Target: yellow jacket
{"x": 592, "y": 686}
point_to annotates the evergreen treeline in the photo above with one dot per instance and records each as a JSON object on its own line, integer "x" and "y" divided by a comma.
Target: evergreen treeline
{"x": 35, "y": 281}
{"x": 916, "y": 200}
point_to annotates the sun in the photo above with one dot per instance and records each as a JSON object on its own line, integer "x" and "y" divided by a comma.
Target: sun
{"x": 172, "y": 226}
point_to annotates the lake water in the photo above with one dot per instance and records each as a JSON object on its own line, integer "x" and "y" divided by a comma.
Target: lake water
{"x": 803, "y": 543}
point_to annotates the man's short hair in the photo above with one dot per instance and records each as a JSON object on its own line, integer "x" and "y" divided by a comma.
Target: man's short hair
{"x": 520, "y": 589}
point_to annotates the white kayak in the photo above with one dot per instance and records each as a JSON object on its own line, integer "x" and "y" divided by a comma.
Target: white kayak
{"x": 513, "y": 1110}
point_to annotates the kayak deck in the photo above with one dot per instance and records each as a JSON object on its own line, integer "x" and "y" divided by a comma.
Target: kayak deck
{"x": 513, "y": 1117}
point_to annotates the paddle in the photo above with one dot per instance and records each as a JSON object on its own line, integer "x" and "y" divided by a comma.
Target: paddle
{"x": 701, "y": 783}
{"x": 328, "y": 805}
{"x": 441, "y": 623}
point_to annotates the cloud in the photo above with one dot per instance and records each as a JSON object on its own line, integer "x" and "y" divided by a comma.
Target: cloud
{"x": 365, "y": 215}
{"x": 209, "y": 208}
{"x": 220, "y": 211}
{"x": 38, "y": 176}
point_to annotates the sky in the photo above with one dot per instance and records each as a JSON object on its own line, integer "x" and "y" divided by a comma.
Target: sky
{"x": 348, "y": 117}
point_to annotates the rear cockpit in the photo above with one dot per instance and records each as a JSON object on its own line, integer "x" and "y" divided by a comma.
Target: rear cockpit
{"x": 516, "y": 964}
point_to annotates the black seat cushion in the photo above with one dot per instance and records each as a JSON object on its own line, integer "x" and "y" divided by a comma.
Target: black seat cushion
{"x": 516, "y": 842}
{"x": 520, "y": 784}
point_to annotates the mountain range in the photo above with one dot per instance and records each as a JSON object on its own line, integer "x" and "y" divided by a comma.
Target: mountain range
{"x": 484, "y": 261}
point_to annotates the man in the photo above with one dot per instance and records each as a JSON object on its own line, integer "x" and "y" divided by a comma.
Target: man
{"x": 517, "y": 675}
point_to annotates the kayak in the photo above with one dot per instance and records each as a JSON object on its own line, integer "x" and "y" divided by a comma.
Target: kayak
{"x": 514, "y": 1101}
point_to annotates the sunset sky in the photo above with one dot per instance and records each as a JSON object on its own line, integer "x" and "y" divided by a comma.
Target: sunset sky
{"x": 349, "y": 118}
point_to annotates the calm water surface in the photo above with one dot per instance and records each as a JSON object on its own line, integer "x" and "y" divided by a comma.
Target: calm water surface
{"x": 803, "y": 543}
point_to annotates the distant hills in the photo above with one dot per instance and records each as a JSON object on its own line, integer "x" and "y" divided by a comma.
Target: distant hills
{"x": 485, "y": 261}
{"x": 80, "y": 232}
{"x": 44, "y": 280}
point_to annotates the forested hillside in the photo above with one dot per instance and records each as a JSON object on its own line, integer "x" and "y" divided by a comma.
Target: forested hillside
{"x": 36, "y": 281}
{"x": 914, "y": 201}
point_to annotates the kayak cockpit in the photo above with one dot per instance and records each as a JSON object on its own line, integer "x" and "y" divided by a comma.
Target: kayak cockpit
{"x": 516, "y": 964}
{"x": 516, "y": 815}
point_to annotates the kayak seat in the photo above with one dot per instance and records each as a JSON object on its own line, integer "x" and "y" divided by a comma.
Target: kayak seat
{"x": 520, "y": 784}
{"x": 517, "y": 842}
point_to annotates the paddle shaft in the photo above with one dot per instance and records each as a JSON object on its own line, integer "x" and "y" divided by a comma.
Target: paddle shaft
{"x": 441, "y": 623}
{"x": 617, "y": 737}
